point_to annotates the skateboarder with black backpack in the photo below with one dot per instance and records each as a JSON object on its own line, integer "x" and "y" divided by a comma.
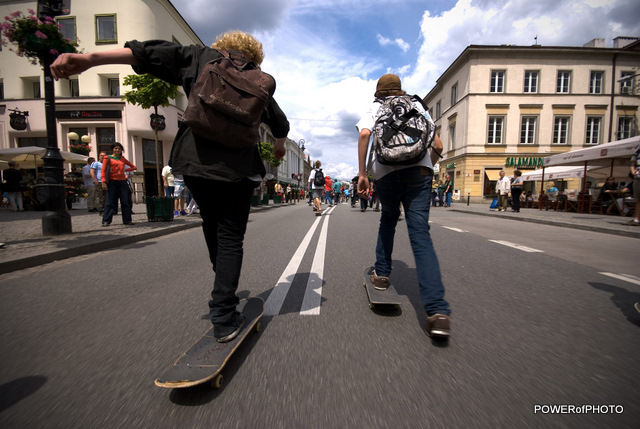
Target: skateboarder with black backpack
{"x": 215, "y": 149}
{"x": 401, "y": 159}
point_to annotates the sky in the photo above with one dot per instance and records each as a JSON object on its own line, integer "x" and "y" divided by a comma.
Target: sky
{"x": 327, "y": 55}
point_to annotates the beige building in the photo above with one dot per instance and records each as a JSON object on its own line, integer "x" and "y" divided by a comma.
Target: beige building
{"x": 90, "y": 104}
{"x": 507, "y": 107}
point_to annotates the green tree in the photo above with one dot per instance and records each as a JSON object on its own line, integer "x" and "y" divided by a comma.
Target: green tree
{"x": 149, "y": 91}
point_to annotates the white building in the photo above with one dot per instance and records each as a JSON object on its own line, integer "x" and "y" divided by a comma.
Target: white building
{"x": 507, "y": 107}
{"x": 90, "y": 104}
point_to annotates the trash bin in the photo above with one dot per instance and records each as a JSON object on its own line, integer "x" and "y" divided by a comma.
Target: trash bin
{"x": 159, "y": 209}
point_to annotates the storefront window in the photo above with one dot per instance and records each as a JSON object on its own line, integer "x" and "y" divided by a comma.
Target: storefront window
{"x": 106, "y": 137}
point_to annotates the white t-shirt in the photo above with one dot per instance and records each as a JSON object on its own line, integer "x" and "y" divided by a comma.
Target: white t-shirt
{"x": 380, "y": 170}
{"x": 167, "y": 173}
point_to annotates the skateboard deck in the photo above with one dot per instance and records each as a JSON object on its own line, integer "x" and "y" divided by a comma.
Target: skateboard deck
{"x": 318, "y": 213}
{"x": 204, "y": 361}
{"x": 382, "y": 298}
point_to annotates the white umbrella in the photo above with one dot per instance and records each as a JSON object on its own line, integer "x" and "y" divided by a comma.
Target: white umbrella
{"x": 597, "y": 155}
{"x": 557, "y": 172}
{"x": 31, "y": 156}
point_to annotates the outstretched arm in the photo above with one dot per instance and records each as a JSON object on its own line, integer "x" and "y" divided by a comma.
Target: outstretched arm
{"x": 71, "y": 64}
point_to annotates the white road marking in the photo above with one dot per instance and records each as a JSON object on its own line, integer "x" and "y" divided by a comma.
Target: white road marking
{"x": 455, "y": 229}
{"x": 313, "y": 293}
{"x": 624, "y": 277}
{"x": 279, "y": 292}
{"x": 517, "y": 246}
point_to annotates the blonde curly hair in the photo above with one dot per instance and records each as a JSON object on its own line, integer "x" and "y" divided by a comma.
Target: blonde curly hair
{"x": 243, "y": 42}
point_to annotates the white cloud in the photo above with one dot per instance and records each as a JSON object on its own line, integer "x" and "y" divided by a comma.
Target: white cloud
{"x": 326, "y": 74}
{"x": 383, "y": 41}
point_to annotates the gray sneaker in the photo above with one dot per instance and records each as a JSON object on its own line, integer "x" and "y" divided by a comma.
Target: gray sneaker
{"x": 380, "y": 283}
{"x": 234, "y": 332}
{"x": 438, "y": 325}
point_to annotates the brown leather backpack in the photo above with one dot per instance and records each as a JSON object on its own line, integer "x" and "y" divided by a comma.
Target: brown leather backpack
{"x": 227, "y": 101}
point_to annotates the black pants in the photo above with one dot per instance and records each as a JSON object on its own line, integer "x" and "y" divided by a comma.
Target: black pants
{"x": 224, "y": 208}
{"x": 515, "y": 196}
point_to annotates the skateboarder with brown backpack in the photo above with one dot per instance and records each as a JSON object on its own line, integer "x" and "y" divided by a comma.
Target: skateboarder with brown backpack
{"x": 215, "y": 148}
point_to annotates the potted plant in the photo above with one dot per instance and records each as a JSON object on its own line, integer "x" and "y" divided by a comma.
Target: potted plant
{"x": 150, "y": 91}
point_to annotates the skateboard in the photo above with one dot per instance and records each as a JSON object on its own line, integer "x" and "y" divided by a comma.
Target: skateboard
{"x": 318, "y": 213}
{"x": 380, "y": 298}
{"x": 204, "y": 361}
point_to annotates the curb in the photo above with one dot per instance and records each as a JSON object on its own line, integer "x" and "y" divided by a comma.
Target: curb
{"x": 612, "y": 231}
{"x": 85, "y": 249}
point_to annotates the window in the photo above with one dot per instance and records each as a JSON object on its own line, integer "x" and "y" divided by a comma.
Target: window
{"x": 36, "y": 88}
{"x": 149, "y": 152}
{"x": 1, "y": 89}
{"x": 495, "y": 130}
{"x": 452, "y": 136}
{"x": 74, "y": 88}
{"x": 531, "y": 81}
{"x": 68, "y": 27}
{"x": 593, "y": 130}
{"x": 563, "y": 82}
{"x": 497, "y": 81}
{"x": 114, "y": 87}
{"x": 528, "y": 130}
{"x": 106, "y": 29}
{"x": 626, "y": 82}
{"x": 595, "y": 82}
{"x": 106, "y": 137}
{"x": 454, "y": 94}
{"x": 561, "y": 130}
{"x": 438, "y": 110}
{"x": 625, "y": 125}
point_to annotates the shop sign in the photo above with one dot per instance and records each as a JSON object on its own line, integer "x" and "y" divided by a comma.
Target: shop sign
{"x": 524, "y": 162}
{"x": 88, "y": 114}
{"x": 452, "y": 165}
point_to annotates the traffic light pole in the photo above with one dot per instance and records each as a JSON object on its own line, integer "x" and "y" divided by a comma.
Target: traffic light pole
{"x": 56, "y": 220}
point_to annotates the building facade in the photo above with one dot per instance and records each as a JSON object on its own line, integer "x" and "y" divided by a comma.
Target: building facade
{"x": 507, "y": 107}
{"x": 90, "y": 104}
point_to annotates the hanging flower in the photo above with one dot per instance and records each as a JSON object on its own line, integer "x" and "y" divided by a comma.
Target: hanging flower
{"x": 36, "y": 39}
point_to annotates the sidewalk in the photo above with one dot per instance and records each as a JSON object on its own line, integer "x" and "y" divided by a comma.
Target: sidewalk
{"x": 608, "y": 224}
{"x": 25, "y": 246}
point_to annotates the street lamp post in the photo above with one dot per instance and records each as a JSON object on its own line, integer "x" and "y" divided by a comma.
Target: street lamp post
{"x": 301, "y": 147}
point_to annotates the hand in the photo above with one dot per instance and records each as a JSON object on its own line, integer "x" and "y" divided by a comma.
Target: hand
{"x": 363, "y": 186}
{"x": 278, "y": 149}
{"x": 67, "y": 65}
{"x": 104, "y": 186}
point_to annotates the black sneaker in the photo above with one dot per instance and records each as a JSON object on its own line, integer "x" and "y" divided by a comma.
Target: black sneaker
{"x": 228, "y": 333}
{"x": 106, "y": 224}
{"x": 438, "y": 325}
{"x": 380, "y": 283}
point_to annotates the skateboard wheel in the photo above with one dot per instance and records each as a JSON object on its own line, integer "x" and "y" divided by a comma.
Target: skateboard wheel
{"x": 258, "y": 327}
{"x": 216, "y": 383}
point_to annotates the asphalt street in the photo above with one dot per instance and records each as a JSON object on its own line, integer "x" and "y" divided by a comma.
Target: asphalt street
{"x": 543, "y": 327}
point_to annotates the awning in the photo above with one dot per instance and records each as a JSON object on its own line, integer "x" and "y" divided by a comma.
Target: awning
{"x": 492, "y": 175}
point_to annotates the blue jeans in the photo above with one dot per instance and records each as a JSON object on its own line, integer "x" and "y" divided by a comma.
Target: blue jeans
{"x": 411, "y": 187}
{"x": 327, "y": 197}
{"x": 117, "y": 189}
{"x": 449, "y": 194}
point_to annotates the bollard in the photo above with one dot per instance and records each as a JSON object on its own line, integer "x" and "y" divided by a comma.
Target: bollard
{"x": 468, "y": 197}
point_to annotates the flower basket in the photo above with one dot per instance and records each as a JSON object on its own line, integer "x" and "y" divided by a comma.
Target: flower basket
{"x": 82, "y": 150}
{"x": 35, "y": 39}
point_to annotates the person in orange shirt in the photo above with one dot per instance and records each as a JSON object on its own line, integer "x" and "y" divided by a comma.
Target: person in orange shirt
{"x": 328, "y": 186}
{"x": 114, "y": 182}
